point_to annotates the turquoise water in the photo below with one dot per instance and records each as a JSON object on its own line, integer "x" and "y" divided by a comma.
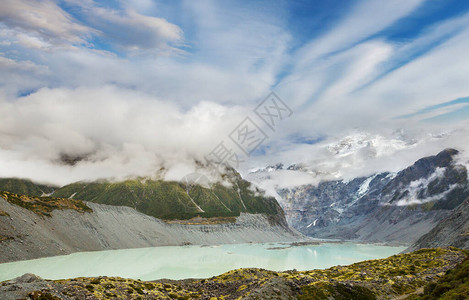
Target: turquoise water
{"x": 195, "y": 261}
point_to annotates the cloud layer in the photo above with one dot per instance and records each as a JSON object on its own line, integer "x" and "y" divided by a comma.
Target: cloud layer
{"x": 126, "y": 88}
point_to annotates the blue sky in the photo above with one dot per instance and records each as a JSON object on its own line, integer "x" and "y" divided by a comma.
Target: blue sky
{"x": 180, "y": 74}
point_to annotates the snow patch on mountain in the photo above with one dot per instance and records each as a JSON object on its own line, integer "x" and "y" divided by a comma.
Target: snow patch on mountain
{"x": 365, "y": 186}
{"x": 352, "y": 208}
{"x": 371, "y": 144}
{"x": 312, "y": 224}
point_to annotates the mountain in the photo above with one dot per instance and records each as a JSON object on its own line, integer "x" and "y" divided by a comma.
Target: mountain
{"x": 176, "y": 200}
{"x": 25, "y": 187}
{"x": 161, "y": 199}
{"x": 452, "y": 231}
{"x": 136, "y": 213}
{"x": 385, "y": 207}
{"x": 29, "y": 234}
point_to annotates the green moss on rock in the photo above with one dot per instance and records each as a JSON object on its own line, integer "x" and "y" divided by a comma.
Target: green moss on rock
{"x": 44, "y": 205}
{"x": 441, "y": 273}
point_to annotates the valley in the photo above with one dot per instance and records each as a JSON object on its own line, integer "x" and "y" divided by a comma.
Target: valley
{"x": 314, "y": 226}
{"x": 385, "y": 207}
{"x": 231, "y": 150}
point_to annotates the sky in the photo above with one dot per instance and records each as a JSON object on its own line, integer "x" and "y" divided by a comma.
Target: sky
{"x": 111, "y": 89}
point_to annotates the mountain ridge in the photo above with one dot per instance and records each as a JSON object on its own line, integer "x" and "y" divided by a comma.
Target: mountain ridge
{"x": 29, "y": 235}
{"x": 451, "y": 231}
{"x": 25, "y": 187}
{"x": 384, "y": 207}
{"x": 162, "y": 199}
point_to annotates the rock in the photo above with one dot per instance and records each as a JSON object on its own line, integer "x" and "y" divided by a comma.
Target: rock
{"x": 118, "y": 227}
{"x": 451, "y": 231}
{"x": 27, "y": 278}
{"x": 12, "y": 287}
{"x": 377, "y": 208}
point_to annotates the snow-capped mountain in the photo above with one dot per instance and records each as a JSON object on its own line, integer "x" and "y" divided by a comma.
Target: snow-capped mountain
{"x": 373, "y": 145}
{"x": 385, "y": 206}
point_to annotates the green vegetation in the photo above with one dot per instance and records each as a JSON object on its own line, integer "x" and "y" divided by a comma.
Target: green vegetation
{"x": 204, "y": 221}
{"x": 338, "y": 291}
{"x": 44, "y": 205}
{"x": 174, "y": 200}
{"x": 453, "y": 285}
{"x": 423, "y": 274}
{"x": 219, "y": 203}
{"x": 24, "y": 187}
{"x": 42, "y": 295}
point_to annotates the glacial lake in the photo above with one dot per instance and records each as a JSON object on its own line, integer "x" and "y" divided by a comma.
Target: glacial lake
{"x": 180, "y": 262}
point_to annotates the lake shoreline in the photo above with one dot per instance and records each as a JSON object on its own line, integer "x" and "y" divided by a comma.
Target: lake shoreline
{"x": 119, "y": 227}
{"x": 387, "y": 278}
{"x": 196, "y": 261}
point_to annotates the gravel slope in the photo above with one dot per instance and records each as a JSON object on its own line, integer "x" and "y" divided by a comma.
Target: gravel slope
{"x": 117, "y": 227}
{"x": 452, "y": 231}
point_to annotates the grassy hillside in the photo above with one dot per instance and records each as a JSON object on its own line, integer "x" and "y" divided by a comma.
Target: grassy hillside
{"x": 43, "y": 205}
{"x": 24, "y": 187}
{"x": 174, "y": 200}
{"x": 424, "y": 274}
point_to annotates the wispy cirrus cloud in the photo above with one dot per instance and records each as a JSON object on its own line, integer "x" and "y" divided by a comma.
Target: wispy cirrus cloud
{"x": 45, "y": 24}
{"x": 126, "y": 28}
{"x": 43, "y": 20}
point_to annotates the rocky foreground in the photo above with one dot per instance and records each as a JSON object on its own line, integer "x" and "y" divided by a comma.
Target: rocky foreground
{"x": 423, "y": 274}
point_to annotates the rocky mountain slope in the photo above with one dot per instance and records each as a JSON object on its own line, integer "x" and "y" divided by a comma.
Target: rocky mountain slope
{"x": 385, "y": 207}
{"x": 134, "y": 213}
{"x": 27, "y": 233}
{"x": 25, "y": 187}
{"x": 424, "y": 274}
{"x": 452, "y": 231}
{"x": 162, "y": 199}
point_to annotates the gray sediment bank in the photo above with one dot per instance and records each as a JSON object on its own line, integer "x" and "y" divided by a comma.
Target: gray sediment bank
{"x": 28, "y": 235}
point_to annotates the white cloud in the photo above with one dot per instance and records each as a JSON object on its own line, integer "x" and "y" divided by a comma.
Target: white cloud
{"x": 44, "y": 24}
{"x": 347, "y": 90}
{"x": 117, "y": 132}
{"x": 43, "y": 20}
{"x": 365, "y": 19}
{"x": 138, "y": 111}
{"x": 358, "y": 154}
{"x": 128, "y": 28}
{"x": 26, "y": 66}
{"x": 225, "y": 64}
{"x": 431, "y": 79}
